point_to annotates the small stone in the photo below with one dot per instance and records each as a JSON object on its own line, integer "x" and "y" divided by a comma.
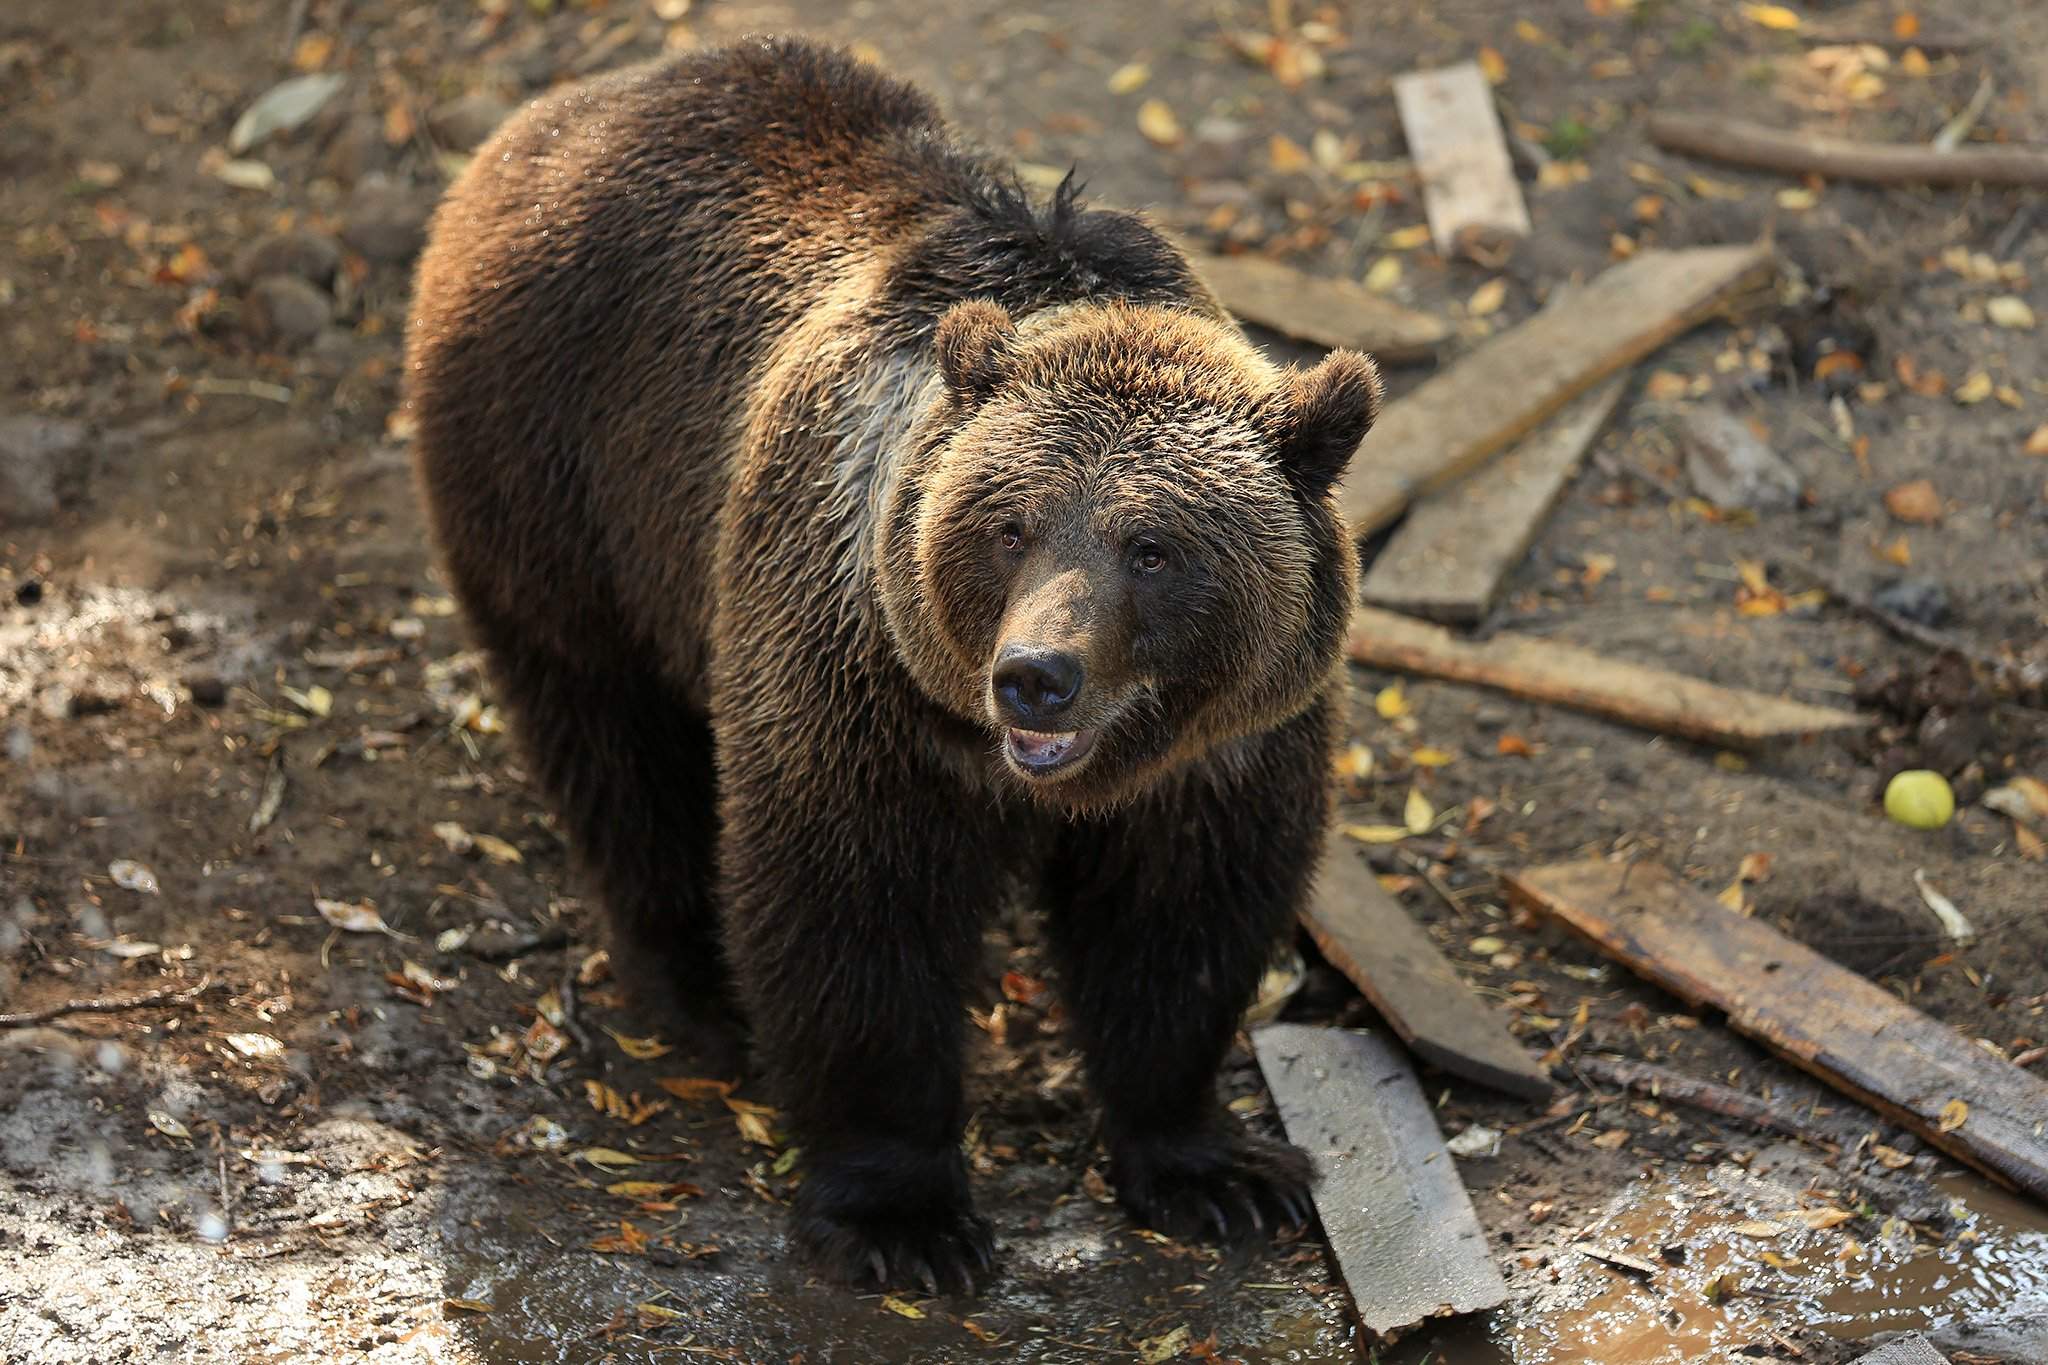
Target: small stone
{"x": 284, "y": 312}
{"x": 309, "y": 256}
{"x": 1920, "y": 600}
{"x": 206, "y": 690}
{"x": 385, "y": 220}
{"x": 462, "y": 124}
{"x": 1731, "y": 467}
{"x": 41, "y": 458}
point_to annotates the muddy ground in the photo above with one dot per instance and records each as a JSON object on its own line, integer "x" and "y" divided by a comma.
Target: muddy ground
{"x": 225, "y": 656}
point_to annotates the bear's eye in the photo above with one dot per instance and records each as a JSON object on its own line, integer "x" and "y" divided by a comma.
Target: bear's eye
{"x": 1147, "y": 558}
{"x": 1011, "y": 535}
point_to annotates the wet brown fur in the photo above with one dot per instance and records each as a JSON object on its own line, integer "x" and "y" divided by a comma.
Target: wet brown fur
{"x": 731, "y": 375}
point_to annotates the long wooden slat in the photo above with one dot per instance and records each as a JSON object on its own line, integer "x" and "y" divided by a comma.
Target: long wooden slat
{"x": 1907, "y": 1350}
{"x": 1399, "y": 1221}
{"x": 1328, "y": 312}
{"x": 1460, "y": 155}
{"x": 1838, "y": 158}
{"x": 1366, "y": 935}
{"x": 1457, "y": 420}
{"x": 1544, "y": 670}
{"x": 1449, "y": 558}
{"x": 1845, "y": 1029}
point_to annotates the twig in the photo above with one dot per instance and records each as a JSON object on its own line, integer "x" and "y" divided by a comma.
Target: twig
{"x": 1941, "y": 642}
{"x": 573, "y": 1026}
{"x": 1878, "y": 163}
{"x": 30, "y": 1018}
{"x": 1694, "y": 1093}
{"x": 2015, "y": 230}
{"x": 1956, "y": 129}
{"x": 504, "y": 948}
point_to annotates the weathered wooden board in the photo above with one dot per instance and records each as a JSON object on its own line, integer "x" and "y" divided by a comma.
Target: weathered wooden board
{"x": 1544, "y": 670}
{"x": 1449, "y": 558}
{"x": 1326, "y": 311}
{"x": 1365, "y": 934}
{"x": 1455, "y": 141}
{"x": 1455, "y": 421}
{"x": 1851, "y": 1033}
{"x": 1399, "y": 1221}
{"x": 1908, "y": 1350}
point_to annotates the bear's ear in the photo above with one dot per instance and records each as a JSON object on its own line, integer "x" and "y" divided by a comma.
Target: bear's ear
{"x": 973, "y": 343}
{"x": 1319, "y": 417}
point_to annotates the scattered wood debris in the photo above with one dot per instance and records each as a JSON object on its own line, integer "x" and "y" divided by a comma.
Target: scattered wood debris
{"x": 1850, "y": 1032}
{"x": 1401, "y": 1226}
{"x": 1457, "y": 420}
{"x": 30, "y": 1018}
{"x": 1454, "y": 138}
{"x": 1544, "y": 670}
{"x": 1326, "y": 311}
{"x": 1366, "y": 935}
{"x": 1912, "y": 1349}
{"x": 1675, "y": 1087}
{"x": 1740, "y": 143}
{"x": 1450, "y": 557}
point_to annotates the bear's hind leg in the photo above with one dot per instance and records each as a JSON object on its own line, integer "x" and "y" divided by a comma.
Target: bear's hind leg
{"x": 629, "y": 767}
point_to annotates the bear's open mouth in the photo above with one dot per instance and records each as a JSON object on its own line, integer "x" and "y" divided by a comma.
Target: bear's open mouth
{"x": 1037, "y": 754}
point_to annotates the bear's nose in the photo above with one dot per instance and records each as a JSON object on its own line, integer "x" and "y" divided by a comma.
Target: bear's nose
{"x": 1035, "y": 684}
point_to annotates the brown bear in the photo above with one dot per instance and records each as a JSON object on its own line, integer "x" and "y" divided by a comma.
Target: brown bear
{"x": 856, "y": 541}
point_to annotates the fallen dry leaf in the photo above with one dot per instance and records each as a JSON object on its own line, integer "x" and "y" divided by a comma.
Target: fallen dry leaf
{"x": 1916, "y": 503}
{"x": 1772, "y": 17}
{"x": 354, "y": 917}
{"x": 639, "y": 1049}
{"x": 1418, "y": 814}
{"x": 901, "y": 1308}
{"x": 1756, "y": 867}
{"x": 1376, "y": 834}
{"x": 2010, "y": 311}
{"x": 2037, "y": 444}
{"x": 1157, "y": 122}
{"x": 1129, "y": 77}
{"x": 693, "y": 1088}
{"x": 1975, "y": 389}
{"x": 1954, "y": 1115}
{"x": 1391, "y": 702}
{"x": 1488, "y": 297}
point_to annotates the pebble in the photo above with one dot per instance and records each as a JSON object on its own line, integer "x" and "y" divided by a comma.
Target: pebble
{"x": 1730, "y": 467}
{"x": 385, "y": 220}
{"x": 463, "y": 123}
{"x": 1921, "y": 600}
{"x": 309, "y": 256}
{"x": 284, "y": 312}
{"x": 39, "y": 457}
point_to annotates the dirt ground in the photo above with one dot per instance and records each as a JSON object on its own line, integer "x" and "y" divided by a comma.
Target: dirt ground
{"x": 226, "y": 657}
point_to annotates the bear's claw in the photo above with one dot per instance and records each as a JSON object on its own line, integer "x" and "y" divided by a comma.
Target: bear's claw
{"x": 940, "y": 1250}
{"x": 1218, "y": 1184}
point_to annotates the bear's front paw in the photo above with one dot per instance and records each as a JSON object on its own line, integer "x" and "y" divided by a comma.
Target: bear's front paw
{"x": 1217, "y": 1182}
{"x": 940, "y": 1249}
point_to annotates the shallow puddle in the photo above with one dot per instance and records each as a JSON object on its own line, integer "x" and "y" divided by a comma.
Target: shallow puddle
{"x": 1724, "y": 1259}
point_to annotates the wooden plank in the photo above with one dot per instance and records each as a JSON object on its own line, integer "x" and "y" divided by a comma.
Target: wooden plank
{"x": 1365, "y": 934}
{"x": 1544, "y": 670}
{"x": 1325, "y": 311}
{"x": 1850, "y": 1032}
{"x": 1913, "y": 1349}
{"x": 1455, "y": 141}
{"x": 1766, "y": 148}
{"x": 1457, "y": 547}
{"x": 1458, "y": 419}
{"x": 1399, "y": 1221}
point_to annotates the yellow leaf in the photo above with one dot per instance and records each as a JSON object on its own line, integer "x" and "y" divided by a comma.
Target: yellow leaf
{"x": 1529, "y": 33}
{"x": 1733, "y": 898}
{"x": 1975, "y": 389}
{"x": 1914, "y": 62}
{"x": 1899, "y": 552}
{"x": 1129, "y": 77}
{"x": 465, "y": 1306}
{"x": 1428, "y": 757}
{"x": 2010, "y": 310}
{"x": 496, "y": 849}
{"x": 1386, "y": 273}
{"x": 694, "y": 1087}
{"x": 2037, "y": 444}
{"x": 1772, "y": 17}
{"x": 1707, "y": 188}
{"x": 1355, "y": 762}
{"x": 653, "y": 1315}
{"x": 1488, "y": 297}
{"x": 900, "y": 1307}
{"x": 638, "y": 1189}
{"x": 1819, "y": 1220}
{"x": 1418, "y": 814}
{"x": 639, "y": 1049}
{"x": 1157, "y": 122}
{"x": 1954, "y": 1115}
{"x": 1797, "y": 199}
{"x": 1285, "y": 155}
{"x": 1407, "y": 238}
{"x": 608, "y": 1156}
{"x": 1391, "y": 702}
{"x": 1375, "y": 834}
{"x": 1493, "y": 66}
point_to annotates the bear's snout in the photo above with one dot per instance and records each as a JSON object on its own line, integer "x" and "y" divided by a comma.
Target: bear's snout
{"x": 1034, "y": 685}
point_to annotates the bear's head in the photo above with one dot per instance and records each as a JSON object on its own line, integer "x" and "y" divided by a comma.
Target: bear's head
{"x": 1114, "y": 543}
